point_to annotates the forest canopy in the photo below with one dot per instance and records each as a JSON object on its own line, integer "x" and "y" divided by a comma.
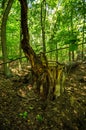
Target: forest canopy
{"x": 63, "y": 23}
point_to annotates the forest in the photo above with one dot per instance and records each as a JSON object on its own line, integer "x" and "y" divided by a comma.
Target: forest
{"x": 42, "y": 64}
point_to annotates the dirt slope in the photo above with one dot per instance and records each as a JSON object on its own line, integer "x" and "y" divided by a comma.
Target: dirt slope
{"x": 21, "y": 109}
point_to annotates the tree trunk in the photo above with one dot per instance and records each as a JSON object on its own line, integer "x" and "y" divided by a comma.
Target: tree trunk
{"x": 20, "y": 51}
{"x": 83, "y": 29}
{"x": 45, "y": 76}
{"x": 3, "y": 37}
{"x": 69, "y": 54}
{"x": 43, "y": 17}
{"x": 39, "y": 68}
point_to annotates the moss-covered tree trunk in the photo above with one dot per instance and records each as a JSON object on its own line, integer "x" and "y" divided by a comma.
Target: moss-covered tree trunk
{"x": 3, "y": 35}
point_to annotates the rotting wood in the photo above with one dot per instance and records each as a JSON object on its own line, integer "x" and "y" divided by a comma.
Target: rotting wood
{"x": 47, "y": 79}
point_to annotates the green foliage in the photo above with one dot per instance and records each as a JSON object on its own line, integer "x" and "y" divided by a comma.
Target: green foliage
{"x": 13, "y": 31}
{"x": 24, "y": 115}
{"x": 39, "y": 118}
{"x": 31, "y": 108}
{"x": 71, "y": 38}
{"x": 63, "y": 19}
{"x": 73, "y": 47}
{"x": 51, "y": 3}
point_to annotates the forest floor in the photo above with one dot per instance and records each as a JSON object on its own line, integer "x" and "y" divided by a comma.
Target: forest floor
{"x": 21, "y": 109}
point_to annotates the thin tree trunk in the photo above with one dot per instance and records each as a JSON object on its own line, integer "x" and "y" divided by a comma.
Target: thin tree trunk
{"x": 43, "y": 16}
{"x": 72, "y": 29}
{"x": 3, "y": 36}
{"x": 20, "y": 50}
{"x": 57, "y": 52}
{"x": 83, "y": 28}
{"x": 69, "y": 54}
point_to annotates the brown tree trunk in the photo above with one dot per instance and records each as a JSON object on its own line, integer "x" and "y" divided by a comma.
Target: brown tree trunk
{"x": 39, "y": 68}
{"x": 45, "y": 76}
{"x": 43, "y": 18}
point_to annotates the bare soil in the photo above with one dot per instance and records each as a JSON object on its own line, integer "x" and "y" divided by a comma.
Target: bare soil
{"x": 22, "y": 109}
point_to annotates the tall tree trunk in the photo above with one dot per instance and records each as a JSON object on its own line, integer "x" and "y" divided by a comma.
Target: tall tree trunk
{"x": 3, "y": 36}
{"x": 57, "y": 52}
{"x": 39, "y": 69}
{"x": 20, "y": 50}
{"x": 45, "y": 77}
{"x": 72, "y": 28}
{"x": 83, "y": 28}
{"x": 58, "y": 27}
{"x": 43, "y": 17}
{"x": 69, "y": 52}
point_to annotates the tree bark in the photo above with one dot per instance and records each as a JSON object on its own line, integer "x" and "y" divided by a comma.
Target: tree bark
{"x": 3, "y": 36}
{"x": 39, "y": 68}
{"x": 43, "y": 17}
{"x": 72, "y": 52}
{"x": 44, "y": 76}
{"x": 83, "y": 1}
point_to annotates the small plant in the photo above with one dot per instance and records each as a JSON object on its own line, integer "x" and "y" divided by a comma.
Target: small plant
{"x": 24, "y": 115}
{"x": 39, "y": 118}
{"x": 31, "y": 108}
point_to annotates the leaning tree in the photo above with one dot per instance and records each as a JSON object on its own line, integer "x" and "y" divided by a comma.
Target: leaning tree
{"x": 47, "y": 78}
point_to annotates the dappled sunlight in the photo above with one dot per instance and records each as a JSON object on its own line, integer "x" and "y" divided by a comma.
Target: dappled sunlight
{"x": 42, "y": 65}
{"x": 17, "y": 93}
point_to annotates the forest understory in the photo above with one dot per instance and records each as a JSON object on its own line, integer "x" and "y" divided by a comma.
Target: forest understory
{"x": 22, "y": 109}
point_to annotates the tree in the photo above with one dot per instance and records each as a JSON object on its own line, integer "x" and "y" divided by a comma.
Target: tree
{"x": 45, "y": 77}
{"x": 43, "y": 18}
{"x": 84, "y": 7}
{"x": 3, "y": 35}
{"x": 37, "y": 66}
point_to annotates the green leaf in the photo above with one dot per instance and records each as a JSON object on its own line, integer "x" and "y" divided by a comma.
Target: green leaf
{"x": 39, "y": 118}
{"x": 73, "y": 47}
{"x": 21, "y": 114}
{"x": 31, "y": 108}
{"x": 25, "y": 114}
